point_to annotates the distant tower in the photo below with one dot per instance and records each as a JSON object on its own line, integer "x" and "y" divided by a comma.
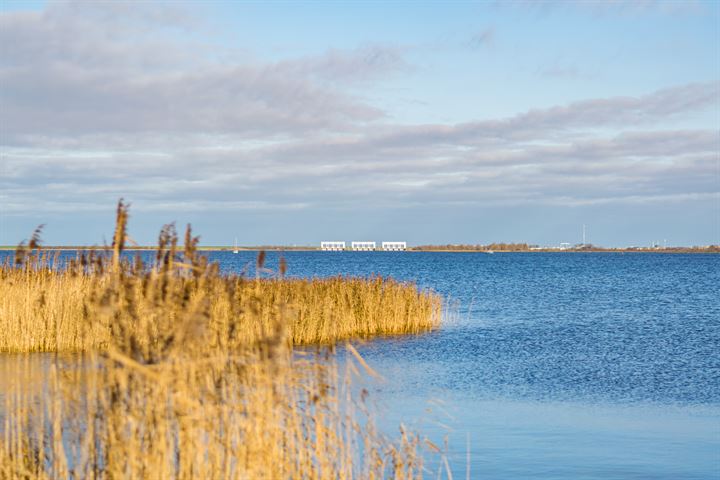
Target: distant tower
{"x": 583, "y": 234}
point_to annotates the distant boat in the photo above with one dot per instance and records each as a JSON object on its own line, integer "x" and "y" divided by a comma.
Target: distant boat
{"x": 489, "y": 252}
{"x": 235, "y": 248}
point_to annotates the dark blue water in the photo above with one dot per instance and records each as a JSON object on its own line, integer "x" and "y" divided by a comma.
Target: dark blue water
{"x": 553, "y": 365}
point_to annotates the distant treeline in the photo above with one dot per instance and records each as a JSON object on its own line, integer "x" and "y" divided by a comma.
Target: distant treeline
{"x": 504, "y": 247}
{"x": 495, "y": 247}
{"x": 524, "y": 247}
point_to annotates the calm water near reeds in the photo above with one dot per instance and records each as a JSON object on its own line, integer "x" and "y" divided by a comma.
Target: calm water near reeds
{"x": 562, "y": 366}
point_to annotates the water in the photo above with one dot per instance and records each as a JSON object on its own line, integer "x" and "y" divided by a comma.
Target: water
{"x": 557, "y": 365}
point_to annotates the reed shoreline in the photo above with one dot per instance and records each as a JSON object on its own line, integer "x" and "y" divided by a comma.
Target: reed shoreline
{"x": 46, "y": 311}
{"x": 177, "y": 371}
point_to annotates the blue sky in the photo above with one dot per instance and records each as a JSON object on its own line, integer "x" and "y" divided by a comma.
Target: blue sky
{"x": 292, "y": 123}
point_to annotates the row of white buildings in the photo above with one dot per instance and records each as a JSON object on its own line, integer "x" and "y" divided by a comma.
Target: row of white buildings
{"x": 363, "y": 246}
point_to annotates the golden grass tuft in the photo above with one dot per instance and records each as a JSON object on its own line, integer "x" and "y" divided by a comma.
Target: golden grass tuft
{"x": 242, "y": 415}
{"x": 185, "y": 373}
{"x": 48, "y": 308}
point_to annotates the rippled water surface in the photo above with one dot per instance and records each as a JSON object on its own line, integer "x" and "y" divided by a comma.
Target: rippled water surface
{"x": 554, "y": 365}
{"x": 558, "y": 365}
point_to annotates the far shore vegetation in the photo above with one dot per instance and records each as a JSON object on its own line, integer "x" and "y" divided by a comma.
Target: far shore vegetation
{"x": 451, "y": 247}
{"x": 524, "y": 247}
{"x": 181, "y": 372}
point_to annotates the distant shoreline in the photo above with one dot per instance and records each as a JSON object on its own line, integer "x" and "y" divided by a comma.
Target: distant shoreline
{"x": 557, "y": 250}
{"x": 709, "y": 249}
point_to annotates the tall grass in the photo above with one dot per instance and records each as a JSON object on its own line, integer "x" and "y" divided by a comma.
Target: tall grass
{"x": 241, "y": 415}
{"x": 45, "y": 310}
{"x": 45, "y": 307}
{"x": 185, "y": 373}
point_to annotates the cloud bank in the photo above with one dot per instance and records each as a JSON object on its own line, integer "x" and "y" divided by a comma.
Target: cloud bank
{"x": 137, "y": 101}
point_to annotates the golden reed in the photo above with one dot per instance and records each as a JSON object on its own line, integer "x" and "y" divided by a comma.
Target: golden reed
{"x": 185, "y": 373}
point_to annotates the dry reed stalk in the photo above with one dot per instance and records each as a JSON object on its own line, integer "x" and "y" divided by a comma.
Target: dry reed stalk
{"x": 46, "y": 310}
{"x": 260, "y": 412}
{"x": 190, "y": 374}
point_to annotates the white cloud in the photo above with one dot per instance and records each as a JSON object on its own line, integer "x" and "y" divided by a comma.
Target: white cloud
{"x": 97, "y": 104}
{"x": 71, "y": 70}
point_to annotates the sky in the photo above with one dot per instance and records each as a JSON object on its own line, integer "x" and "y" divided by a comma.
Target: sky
{"x": 289, "y": 123}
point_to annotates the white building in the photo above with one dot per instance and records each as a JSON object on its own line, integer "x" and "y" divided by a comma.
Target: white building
{"x": 363, "y": 246}
{"x": 332, "y": 246}
{"x": 394, "y": 246}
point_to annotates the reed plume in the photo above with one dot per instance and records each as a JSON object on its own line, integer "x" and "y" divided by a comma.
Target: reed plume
{"x": 181, "y": 372}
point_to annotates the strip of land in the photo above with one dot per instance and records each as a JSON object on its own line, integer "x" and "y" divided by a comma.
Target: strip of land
{"x": 420, "y": 248}
{"x": 578, "y": 248}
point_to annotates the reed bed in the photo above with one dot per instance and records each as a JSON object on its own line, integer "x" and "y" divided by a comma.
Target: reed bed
{"x": 46, "y": 310}
{"x": 185, "y": 373}
{"x": 225, "y": 416}
{"x": 47, "y": 307}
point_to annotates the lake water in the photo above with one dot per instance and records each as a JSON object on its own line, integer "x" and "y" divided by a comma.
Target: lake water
{"x": 558, "y": 365}
{"x": 553, "y": 365}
